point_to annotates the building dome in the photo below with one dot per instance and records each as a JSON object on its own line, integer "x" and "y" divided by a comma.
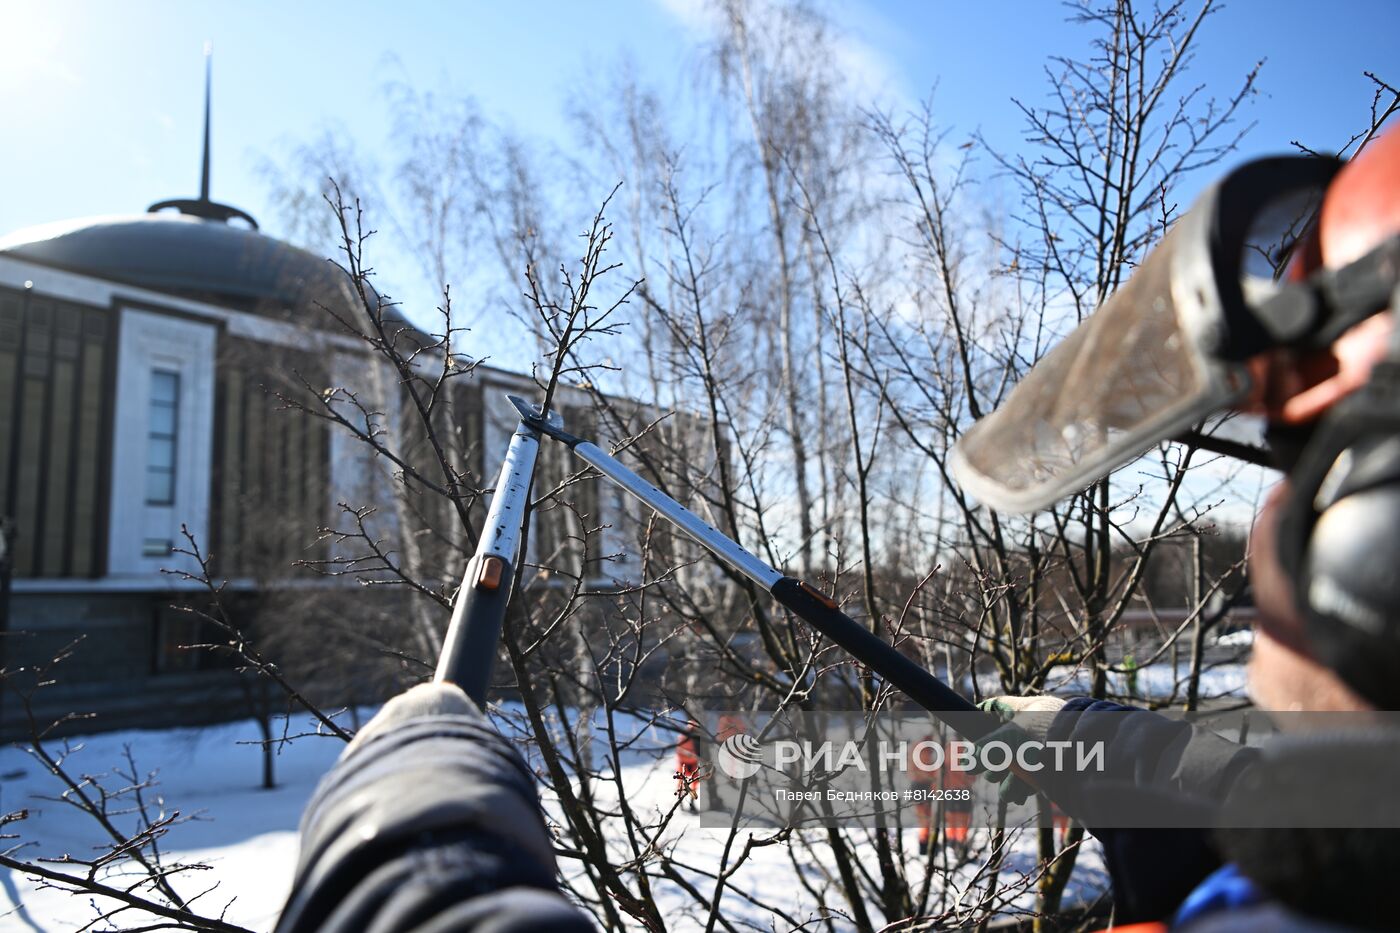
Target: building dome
{"x": 203, "y": 259}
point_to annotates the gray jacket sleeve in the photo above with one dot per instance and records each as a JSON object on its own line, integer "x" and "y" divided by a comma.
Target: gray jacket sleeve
{"x": 432, "y": 825}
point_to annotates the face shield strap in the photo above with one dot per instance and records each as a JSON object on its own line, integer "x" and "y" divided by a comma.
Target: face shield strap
{"x": 1243, "y": 329}
{"x": 1334, "y": 301}
{"x": 1316, "y": 312}
{"x": 1394, "y": 350}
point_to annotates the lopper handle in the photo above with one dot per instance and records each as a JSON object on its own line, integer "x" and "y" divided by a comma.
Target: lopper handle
{"x": 469, "y": 650}
{"x": 883, "y": 658}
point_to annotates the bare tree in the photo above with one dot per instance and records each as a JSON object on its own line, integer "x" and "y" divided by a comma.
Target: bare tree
{"x": 1097, "y": 180}
{"x": 815, "y": 304}
{"x": 127, "y": 877}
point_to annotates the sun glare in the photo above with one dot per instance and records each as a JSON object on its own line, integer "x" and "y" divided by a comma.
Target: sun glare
{"x": 32, "y": 47}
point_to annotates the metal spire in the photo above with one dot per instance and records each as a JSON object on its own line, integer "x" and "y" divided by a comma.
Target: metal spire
{"x": 203, "y": 207}
{"x": 208, "y": 82}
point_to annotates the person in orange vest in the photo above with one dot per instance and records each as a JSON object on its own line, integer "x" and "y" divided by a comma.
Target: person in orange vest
{"x": 932, "y": 782}
{"x": 729, "y": 725}
{"x": 688, "y": 767}
{"x": 923, "y": 778}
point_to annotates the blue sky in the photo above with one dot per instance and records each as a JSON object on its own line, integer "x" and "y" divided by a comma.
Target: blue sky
{"x": 101, "y": 101}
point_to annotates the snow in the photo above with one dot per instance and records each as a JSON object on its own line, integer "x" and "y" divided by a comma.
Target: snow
{"x": 1155, "y": 680}
{"x": 248, "y": 835}
{"x": 1152, "y": 681}
{"x": 770, "y": 876}
{"x": 1242, "y": 638}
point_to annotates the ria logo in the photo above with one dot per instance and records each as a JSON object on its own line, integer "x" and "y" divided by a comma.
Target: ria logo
{"x": 740, "y": 756}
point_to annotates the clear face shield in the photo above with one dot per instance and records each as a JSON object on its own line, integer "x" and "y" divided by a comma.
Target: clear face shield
{"x": 1165, "y": 351}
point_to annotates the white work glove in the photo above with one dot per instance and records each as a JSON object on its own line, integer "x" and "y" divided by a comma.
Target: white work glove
{"x": 1033, "y": 714}
{"x": 1026, "y": 719}
{"x": 429, "y": 699}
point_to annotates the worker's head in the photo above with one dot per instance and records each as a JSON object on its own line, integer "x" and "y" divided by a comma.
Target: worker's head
{"x": 1204, "y": 326}
{"x": 1325, "y": 545}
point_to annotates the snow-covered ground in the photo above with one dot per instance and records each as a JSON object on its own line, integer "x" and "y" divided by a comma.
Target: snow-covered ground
{"x": 1155, "y": 680}
{"x": 770, "y": 876}
{"x": 248, "y": 836}
{"x": 1161, "y": 681}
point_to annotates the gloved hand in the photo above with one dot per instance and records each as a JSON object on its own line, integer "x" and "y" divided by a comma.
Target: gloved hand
{"x": 1032, "y": 713}
{"x": 429, "y": 699}
{"x": 1035, "y": 703}
{"x": 1027, "y": 719}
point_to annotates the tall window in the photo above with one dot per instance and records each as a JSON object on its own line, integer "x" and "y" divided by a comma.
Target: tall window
{"x": 160, "y": 442}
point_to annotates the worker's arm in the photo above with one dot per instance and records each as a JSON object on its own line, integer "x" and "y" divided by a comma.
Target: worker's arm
{"x": 1151, "y": 762}
{"x": 429, "y": 821}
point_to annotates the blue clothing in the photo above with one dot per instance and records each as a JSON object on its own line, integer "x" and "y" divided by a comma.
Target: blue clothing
{"x": 1224, "y": 889}
{"x": 1152, "y": 870}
